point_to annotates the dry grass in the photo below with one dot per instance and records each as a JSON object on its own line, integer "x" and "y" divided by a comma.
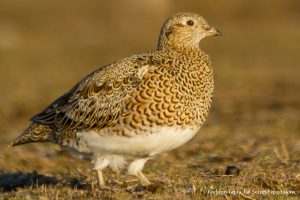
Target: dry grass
{"x": 45, "y": 47}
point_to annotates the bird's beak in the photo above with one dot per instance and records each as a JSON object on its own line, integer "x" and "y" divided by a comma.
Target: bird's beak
{"x": 213, "y": 32}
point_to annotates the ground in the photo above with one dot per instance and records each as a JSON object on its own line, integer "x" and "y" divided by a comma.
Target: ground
{"x": 248, "y": 149}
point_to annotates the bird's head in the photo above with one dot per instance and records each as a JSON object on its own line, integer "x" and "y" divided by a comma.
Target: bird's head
{"x": 184, "y": 30}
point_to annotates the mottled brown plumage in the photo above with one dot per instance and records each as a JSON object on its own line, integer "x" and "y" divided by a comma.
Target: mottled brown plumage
{"x": 118, "y": 112}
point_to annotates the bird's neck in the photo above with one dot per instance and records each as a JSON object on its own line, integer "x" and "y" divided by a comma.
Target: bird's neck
{"x": 179, "y": 47}
{"x": 176, "y": 42}
{"x": 193, "y": 52}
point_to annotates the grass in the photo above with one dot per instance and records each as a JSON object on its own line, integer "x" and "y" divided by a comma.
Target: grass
{"x": 254, "y": 123}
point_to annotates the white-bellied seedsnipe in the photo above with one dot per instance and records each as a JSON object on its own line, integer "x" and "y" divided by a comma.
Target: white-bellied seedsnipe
{"x": 138, "y": 107}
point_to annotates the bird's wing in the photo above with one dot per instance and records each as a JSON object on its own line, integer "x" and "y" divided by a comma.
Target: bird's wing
{"x": 96, "y": 101}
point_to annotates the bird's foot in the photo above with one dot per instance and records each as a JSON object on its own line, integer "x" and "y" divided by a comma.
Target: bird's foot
{"x": 142, "y": 178}
{"x": 101, "y": 181}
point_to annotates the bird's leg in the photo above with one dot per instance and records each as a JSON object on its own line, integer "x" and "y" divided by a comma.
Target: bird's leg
{"x": 100, "y": 178}
{"x": 144, "y": 181}
{"x": 135, "y": 168}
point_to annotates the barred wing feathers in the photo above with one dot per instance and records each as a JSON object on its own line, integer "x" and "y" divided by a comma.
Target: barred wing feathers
{"x": 96, "y": 101}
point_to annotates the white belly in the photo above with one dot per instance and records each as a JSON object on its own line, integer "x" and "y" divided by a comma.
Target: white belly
{"x": 162, "y": 140}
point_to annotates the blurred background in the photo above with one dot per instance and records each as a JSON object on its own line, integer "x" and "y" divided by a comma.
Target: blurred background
{"x": 47, "y": 46}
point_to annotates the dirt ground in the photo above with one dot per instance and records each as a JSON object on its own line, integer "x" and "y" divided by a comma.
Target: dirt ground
{"x": 248, "y": 149}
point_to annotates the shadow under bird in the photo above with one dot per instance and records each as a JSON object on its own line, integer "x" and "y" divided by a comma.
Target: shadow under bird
{"x": 138, "y": 107}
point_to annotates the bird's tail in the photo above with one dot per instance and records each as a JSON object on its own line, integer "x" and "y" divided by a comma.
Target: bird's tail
{"x": 34, "y": 133}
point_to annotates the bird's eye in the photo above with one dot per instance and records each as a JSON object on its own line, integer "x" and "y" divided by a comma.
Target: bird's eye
{"x": 190, "y": 23}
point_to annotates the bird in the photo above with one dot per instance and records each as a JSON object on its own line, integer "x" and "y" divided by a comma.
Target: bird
{"x": 138, "y": 107}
